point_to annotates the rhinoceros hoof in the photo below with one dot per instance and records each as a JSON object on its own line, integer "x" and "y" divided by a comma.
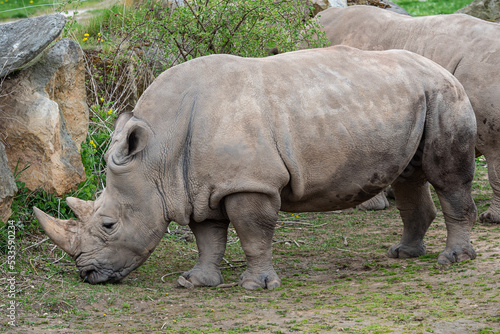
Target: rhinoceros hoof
{"x": 262, "y": 281}
{"x": 376, "y": 203}
{"x": 197, "y": 277}
{"x": 457, "y": 254}
{"x": 490, "y": 216}
{"x": 404, "y": 251}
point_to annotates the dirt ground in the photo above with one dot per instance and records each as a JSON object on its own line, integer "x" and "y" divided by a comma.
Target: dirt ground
{"x": 335, "y": 279}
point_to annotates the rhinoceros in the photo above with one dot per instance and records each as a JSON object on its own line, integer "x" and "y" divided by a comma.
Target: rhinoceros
{"x": 223, "y": 139}
{"x": 467, "y": 47}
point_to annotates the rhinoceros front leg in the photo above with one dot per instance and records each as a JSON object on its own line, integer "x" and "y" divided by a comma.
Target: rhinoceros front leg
{"x": 211, "y": 238}
{"x": 254, "y": 217}
{"x": 417, "y": 210}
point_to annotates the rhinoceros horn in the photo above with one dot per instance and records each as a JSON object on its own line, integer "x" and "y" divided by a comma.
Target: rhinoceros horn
{"x": 64, "y": 233}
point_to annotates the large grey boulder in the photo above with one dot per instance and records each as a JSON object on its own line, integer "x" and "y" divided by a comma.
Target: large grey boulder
{"x": 33, "y": 123}
{"x": 7, "y": 186}
{"x": 488, "y": 10}
{"x": 21, "y": 41}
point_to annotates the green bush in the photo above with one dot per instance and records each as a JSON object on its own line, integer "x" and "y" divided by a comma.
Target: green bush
{"x": 249, "y": 28}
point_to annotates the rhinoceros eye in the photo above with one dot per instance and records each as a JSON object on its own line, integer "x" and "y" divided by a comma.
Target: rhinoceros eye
{"x": 108, "y": 224}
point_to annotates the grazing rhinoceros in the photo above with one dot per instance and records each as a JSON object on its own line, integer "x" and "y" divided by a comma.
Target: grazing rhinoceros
{"x": 467, "y": 47}
{"x": 224, "y": 139}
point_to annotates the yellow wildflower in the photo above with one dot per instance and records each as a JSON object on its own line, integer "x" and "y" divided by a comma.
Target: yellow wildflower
{"x": 102, "y": 100}
{"x": 104, "y": 314}
{"x": 86, "y": 35}
{"x": 92, "y": 143}
{"x": 31, "y": 1}
{"x": 110, "y": 111}
{"x": 98, "y": 34}
{"x": 84, "y": 39}
{"x": 175, "y": 321}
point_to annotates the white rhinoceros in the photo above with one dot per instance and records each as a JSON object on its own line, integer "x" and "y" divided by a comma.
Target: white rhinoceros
{"x": 467, "y": 47}
{"x": 223, "y": 138}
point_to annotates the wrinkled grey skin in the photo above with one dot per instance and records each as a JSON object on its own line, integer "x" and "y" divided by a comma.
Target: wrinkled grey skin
{"x": 223, "y": 138}
{"x": 467, "y": 47}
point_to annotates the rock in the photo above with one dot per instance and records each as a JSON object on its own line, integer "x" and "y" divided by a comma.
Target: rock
{"x": 65, "y": 67}
{"x": 21, "y": 41}
{"x": 488, "y": 10}
{"x": 7, "y": 186}
{"x": 321, "y": 5}
{"x": 380, "y": 3}
{"x": 338, "y": 3}
{"x": 34, "y": 127}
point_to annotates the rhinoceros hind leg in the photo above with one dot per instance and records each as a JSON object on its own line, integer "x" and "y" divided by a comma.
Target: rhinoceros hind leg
{"x": 492, "y": 215}
{"x": 450, "y": 169}
{"x": 254, "y": 217}
{"x": 417, "y": 210}
{"x": 379, "y": 202}
{"x": 211, "y": 237}
{"x": 459, "y": 213}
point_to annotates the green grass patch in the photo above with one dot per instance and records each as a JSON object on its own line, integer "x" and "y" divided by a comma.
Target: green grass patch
{"x": 431, "y": 7}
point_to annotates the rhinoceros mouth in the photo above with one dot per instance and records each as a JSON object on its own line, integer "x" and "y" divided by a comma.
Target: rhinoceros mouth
{"x": 93, "y": 275}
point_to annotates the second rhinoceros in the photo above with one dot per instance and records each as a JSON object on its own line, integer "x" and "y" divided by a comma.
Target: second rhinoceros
{"x": 224, "y": 139}
{"x": 467, "y": 47}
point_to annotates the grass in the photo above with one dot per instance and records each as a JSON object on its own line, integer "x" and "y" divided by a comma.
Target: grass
{"x": 16, "y": 9}
{"x": 431, "y": 7}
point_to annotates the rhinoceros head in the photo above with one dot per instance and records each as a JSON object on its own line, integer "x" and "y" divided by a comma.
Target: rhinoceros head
{"x": 116, "y": 233}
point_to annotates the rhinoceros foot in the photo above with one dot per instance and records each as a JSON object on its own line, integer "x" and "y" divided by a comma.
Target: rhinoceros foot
{"x": 265, "y": 280}
{"x": 376, "y": 203}
{"x": 200, "y": 277}
{"x": 490, "y": 216}
{"x": 403, "y": 251}
{"x": 457, "y": 253}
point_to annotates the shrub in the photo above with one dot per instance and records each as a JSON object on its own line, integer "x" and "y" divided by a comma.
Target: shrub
{"x": 249, "y": 28}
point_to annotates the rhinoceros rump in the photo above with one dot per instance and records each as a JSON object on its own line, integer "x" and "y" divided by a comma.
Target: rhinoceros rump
{"x": 467, "y": 47}
{"x": 224, "y": 139}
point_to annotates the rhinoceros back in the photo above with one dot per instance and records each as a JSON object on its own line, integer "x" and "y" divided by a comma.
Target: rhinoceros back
{"x": 317, "y": 129}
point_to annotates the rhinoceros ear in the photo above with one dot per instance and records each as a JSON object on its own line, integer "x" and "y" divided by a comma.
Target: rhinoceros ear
{"x": 131, "y": 140}
{"x": 122, "y": 120}
{"x": 82, "y": 209}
